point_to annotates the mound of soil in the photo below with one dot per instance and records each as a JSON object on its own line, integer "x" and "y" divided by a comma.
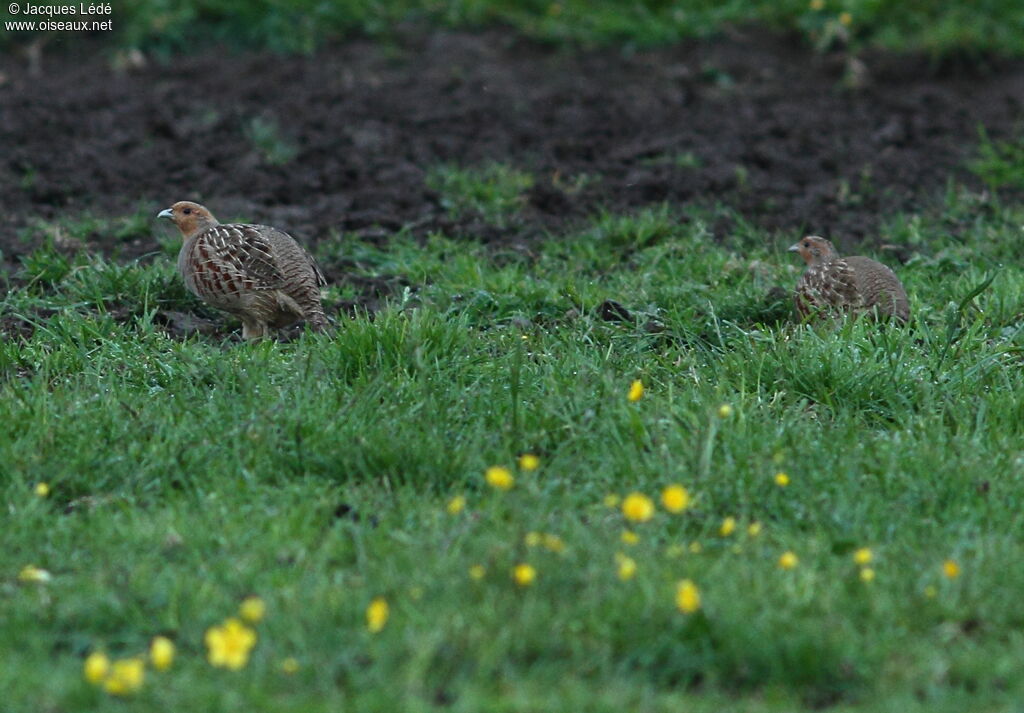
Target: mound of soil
{"x": 751, "y": 120}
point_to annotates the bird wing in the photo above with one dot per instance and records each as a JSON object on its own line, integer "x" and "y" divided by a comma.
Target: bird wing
{"x": 247, "y": 252}
{"x": 830, "y": 285}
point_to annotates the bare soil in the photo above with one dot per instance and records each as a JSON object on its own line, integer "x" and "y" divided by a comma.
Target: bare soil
{"x": 753, "y": 121}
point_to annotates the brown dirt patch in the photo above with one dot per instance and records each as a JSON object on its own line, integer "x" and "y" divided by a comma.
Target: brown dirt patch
{"x": 752, "y": 121}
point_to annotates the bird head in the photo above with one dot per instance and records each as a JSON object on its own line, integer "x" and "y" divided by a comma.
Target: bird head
{"x": 814, "y": 249}
{"x": 191, "y": 218}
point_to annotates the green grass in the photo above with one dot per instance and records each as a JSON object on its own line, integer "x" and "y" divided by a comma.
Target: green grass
{"x": 187, "y": 475}
{"x": 303, "y": 25}
{"x": 495, "y": 191}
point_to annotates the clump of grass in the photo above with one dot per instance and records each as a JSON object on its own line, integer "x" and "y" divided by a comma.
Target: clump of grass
{"x": 268, "y": 140}
{"x": 1000, "y": 164}
{"x": 495, "y": 191}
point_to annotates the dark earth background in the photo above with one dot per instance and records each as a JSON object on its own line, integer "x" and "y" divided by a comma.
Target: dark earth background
{"x": 773, "y": 127}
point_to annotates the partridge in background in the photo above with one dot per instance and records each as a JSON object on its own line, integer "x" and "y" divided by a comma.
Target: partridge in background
{"x": 847, "y": 284}
{"x": 256, "y": 272}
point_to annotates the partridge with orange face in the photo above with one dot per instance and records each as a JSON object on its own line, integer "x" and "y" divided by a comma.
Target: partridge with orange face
{"x": 255, "y": 272}
{"x": 846, "y": 284}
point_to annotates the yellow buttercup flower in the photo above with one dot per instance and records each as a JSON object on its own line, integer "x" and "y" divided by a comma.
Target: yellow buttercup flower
{"x": 687, "y": 597}
{"x": 554, "y": 543}
{"x": 528, "y": 461}
{"x": 637, "y": 507}
{"x": 125, "y": 677}
{"x": 867, "y": 574}
{"x": 42, "y": 489}
{"x": 161, "y": 653}
{"x": 627, "y": 567}
{"x": 229, "y": 644}
{"x": 31, "y": 573}
{"x": 675, "y": 498}
{"x": 845, "y": 19}
{"x": 788, "y": 560}
{"x": 863, "y": 556}
{"x": 477, "y": 572}
{"x": 499, "y": 477}
{"x": 377, "y": 614}
{"x": 532, "y": 539}
{"x": 524, "y": 575}
{"x": 636, "y": 391}
{"x": 754, "y": 529}
{"x": 96, "y": 667}
{"x": 817, "y": 4}
{"x": 781, "y": 479}
{"x": 724, "y": 411}
{"x": 951, "y": 569}
{"x": 728, "y": 527}
{"x": 611, "y": 500}
{"x": 289, "y": 665}
{"x": 456, "y": 505}
{"x": 629, "y": 537}
{"x": 252, "y": 609}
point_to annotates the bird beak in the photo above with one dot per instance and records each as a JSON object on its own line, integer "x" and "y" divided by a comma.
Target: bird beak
{"x": 794, "y": 248}
{"x": 165, "y": 213}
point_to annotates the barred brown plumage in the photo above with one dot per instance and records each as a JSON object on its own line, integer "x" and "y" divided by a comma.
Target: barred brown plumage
{"x": 852, "y": 284}
{"x": 256, "y": 272}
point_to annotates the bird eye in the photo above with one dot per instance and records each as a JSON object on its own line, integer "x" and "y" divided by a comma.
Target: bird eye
{"x": 807, "y": 243}
{"x": 186, "y": 211}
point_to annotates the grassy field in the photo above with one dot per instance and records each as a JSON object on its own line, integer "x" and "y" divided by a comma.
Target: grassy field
{"x": 334, "y": 471}
{"x": 301, "y": 25}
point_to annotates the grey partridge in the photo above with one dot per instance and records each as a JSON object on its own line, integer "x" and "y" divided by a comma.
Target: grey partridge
{"x": 846, "y": 284}
{"x": 255, "y": 272}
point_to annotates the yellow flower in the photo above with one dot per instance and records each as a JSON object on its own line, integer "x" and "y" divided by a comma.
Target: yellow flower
{"x": 456, "y": 505}
{"x": 161, "y": 653}
{"x": 754, "y": 529}
{"x": 528, "y": 461}
{"x": 42, "y": 489}
{"x": 627, "y": 567}
{"x": 863, "y": 556}
{"x": 675, "y": 498}
{"x": 867, "y": 574}
{"x": 788, "y": 560}
{"x": 554, "y": 543}
{"x": 477, "y": 572}
{"x": 629, "y": 537}
{"x": 96, "y": 667}
{"x": 377, "y": 614}
{"x": 289, "y": 665}
{"x": 951, "y": 569}
{"x": 817, "y": 4}
{"x": 845, "y": 19}
{"x": 532, "y": 539}
{"x": 611, "y": 500}
{"x": 252, "y": 609}
{"x": 125, "y": 677}
{"x": 695, "y": 548}
{"x": 637, "y": 507}
{"x": 229, "y": 644}
{"x": 724, "y": 411}
{"x": 636, "y": 391}
{"x": 728, "y": 527}
{"x": 524, "y": 574}
{"x": 781, "y": 479}
{"x": 499, "y": 477}
{"x": 687, "y": 597}
{"x": 31, "y": 573}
